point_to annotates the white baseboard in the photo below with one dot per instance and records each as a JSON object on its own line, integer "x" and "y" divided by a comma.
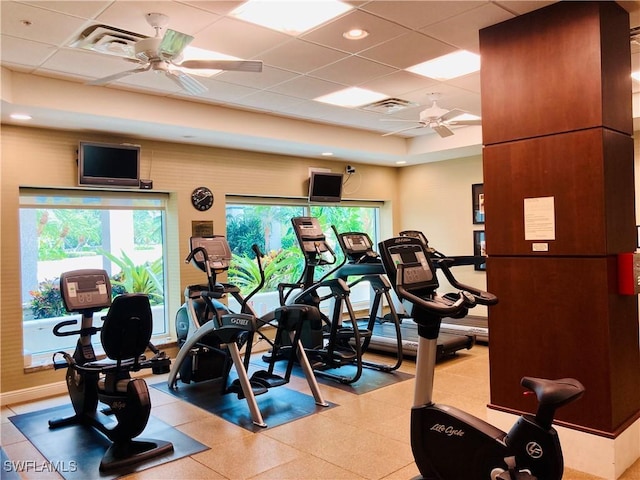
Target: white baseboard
{"x": 33, "y": 393}
{"x": 603, "y": 457}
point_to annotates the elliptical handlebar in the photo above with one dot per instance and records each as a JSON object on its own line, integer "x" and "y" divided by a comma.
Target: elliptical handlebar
{"x": 245, "y": 301}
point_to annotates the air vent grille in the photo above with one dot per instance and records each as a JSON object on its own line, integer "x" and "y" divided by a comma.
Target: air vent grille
{"x": 110, "y": 40}
{"x": 388, "y": 105}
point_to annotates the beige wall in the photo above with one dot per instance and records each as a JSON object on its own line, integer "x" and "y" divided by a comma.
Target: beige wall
{"x": 46, "y": 158}
{"x": 436, "y": 199}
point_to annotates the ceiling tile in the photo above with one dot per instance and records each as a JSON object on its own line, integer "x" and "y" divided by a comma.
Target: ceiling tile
{"x": 268, "y": 77}
{"x": 45, "y": 26}
{"x": 419, "y": 14}
{"x": 268, "y": 101}
{"x": 398, "y": 83}
{"x": 300, "y": 56}
{"x": 307, "y": 87}
{"x": 407, "y": 50}
{"x": 84, "y": 9}
{"x": 131, "y": 16}
{"x": 86, "y": 64}
{"x": 462, "y": 30}
{"x": 222, "y": 92}
{"x": 330, "y": 34}
{"x": 352, "y": 71}
{"x": 221, "y": 8}
{"x": 238, "y": 38}
{"x": 16, "y": 51}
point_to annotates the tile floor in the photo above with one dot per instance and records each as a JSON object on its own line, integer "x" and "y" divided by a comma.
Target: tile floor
{"x": 365, "y": 437}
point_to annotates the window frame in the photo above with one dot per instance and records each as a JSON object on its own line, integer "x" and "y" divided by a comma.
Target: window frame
{"x": 100, "y": 199}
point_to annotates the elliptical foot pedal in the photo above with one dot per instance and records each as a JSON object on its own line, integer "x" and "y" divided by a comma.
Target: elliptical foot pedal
{"x": 266, "y": 379}
{"x": 236, "y": 388}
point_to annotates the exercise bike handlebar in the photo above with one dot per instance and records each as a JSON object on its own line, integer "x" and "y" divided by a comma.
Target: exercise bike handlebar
{"x": 482, "y": 297}
{"x": 464, "y": 300}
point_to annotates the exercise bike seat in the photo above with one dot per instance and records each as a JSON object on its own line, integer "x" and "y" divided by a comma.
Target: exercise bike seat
{"x": 127, "y": 328}
{"x": 554, "y": 393}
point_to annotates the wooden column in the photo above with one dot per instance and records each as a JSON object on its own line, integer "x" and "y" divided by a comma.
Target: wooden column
{"x": 557, "y": 133}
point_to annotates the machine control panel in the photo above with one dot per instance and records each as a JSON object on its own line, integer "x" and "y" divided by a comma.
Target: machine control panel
{"x": 88, "y": 289}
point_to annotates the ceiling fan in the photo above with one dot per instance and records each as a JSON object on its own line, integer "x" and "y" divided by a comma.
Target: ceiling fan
{"x": 164, "y": 54}
{"x": 436, "y": 118}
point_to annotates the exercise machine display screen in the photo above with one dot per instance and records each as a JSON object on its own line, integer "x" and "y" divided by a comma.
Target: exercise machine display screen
{"x": 87, "y": 289}
{"x": 310, "y": 235}
{"x": 417, "y": 270}
{"x": 356, "y": 243}
{"x": 218, "y": 251}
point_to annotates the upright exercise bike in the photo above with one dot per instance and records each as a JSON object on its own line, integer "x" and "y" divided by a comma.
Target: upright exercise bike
{"x": 447, "y": 443}
{"x": 125, "y": 335}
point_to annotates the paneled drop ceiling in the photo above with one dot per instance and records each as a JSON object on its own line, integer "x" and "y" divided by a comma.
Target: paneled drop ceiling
{"x": 45, "y": 75}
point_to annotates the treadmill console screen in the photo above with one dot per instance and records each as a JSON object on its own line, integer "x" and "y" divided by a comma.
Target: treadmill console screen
{"x": 355, "y": 243}
{"x": 88, "y": 289}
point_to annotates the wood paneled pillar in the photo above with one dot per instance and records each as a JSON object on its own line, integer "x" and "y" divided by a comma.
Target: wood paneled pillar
{"x": 559, "y": 200}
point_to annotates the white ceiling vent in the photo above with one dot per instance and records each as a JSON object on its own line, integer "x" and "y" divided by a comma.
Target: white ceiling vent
{"x": 110, "y": 40}
{"x": 388, "y": 105}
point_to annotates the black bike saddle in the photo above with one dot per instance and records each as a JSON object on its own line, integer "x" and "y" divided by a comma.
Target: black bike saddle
{"x": 554, "y": 393}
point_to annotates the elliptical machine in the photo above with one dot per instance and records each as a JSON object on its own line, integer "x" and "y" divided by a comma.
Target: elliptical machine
{"x": 211, "y": 336}
{"x": 448, "y": 443}
{"x": 125, "y": 335}
{"x": 337, "y": 343}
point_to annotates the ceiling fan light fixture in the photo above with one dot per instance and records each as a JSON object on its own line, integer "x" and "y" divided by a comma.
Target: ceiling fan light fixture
{"x": 448, "y": 66}
{"x": 292, "y": 18}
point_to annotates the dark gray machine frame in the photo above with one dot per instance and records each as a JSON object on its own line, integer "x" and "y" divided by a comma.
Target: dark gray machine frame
{"x": 361, "y": 260}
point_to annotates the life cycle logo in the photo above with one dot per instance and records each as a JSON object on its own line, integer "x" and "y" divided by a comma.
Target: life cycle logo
{"x": 534, "y": 450}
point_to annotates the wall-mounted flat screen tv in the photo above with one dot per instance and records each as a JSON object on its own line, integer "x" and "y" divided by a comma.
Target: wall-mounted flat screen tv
{"x": 325, "y": 187}
{"x": 108, "y": 164}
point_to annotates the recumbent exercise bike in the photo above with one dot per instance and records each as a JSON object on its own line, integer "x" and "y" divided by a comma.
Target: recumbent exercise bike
{"x": 448, "y": 443}
{"x": 125, "y": 334}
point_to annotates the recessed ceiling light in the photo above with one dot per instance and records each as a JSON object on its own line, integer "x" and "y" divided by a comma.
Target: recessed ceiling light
{"x": 401, "y": 162}
{"x": 355, "y": 34}
{"x": 20, "y": 116}
{"x": 636, "y": 76}
{"x": 448, "y": 66}
{"x": 351, "y": 97}
{"x": 293, "y": 18}
{"x": 327, "y": 154}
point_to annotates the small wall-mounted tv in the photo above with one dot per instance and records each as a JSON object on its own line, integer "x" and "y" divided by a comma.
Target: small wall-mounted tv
{"x": 325, "y": 187}
{"x": 109, "y": 164}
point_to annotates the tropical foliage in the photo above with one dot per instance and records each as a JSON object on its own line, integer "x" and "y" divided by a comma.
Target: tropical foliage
{"x": 132, "y": 278}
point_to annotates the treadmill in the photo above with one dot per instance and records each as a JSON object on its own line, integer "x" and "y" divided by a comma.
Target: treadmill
{"x": 471, "y": 324}
{"x": 362, "y": 263}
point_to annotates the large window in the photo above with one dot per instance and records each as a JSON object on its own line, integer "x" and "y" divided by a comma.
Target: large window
{"x": 269, "y": 226}
{"x": 122, "y": 233}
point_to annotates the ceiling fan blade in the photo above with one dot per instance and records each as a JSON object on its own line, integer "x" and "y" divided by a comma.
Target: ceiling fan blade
{"x": 236, "y": 65}
{"x": 173, "y": 43}
{"x": 402, "y": 130}
{"x": 451, "y": 114}
{"x": 442, "y": 130}
{"x": 187, "y": 83}
{"x": 117, "y": 76}
{"x": 455, "y": 122}
{"x": 398, "y": 120}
